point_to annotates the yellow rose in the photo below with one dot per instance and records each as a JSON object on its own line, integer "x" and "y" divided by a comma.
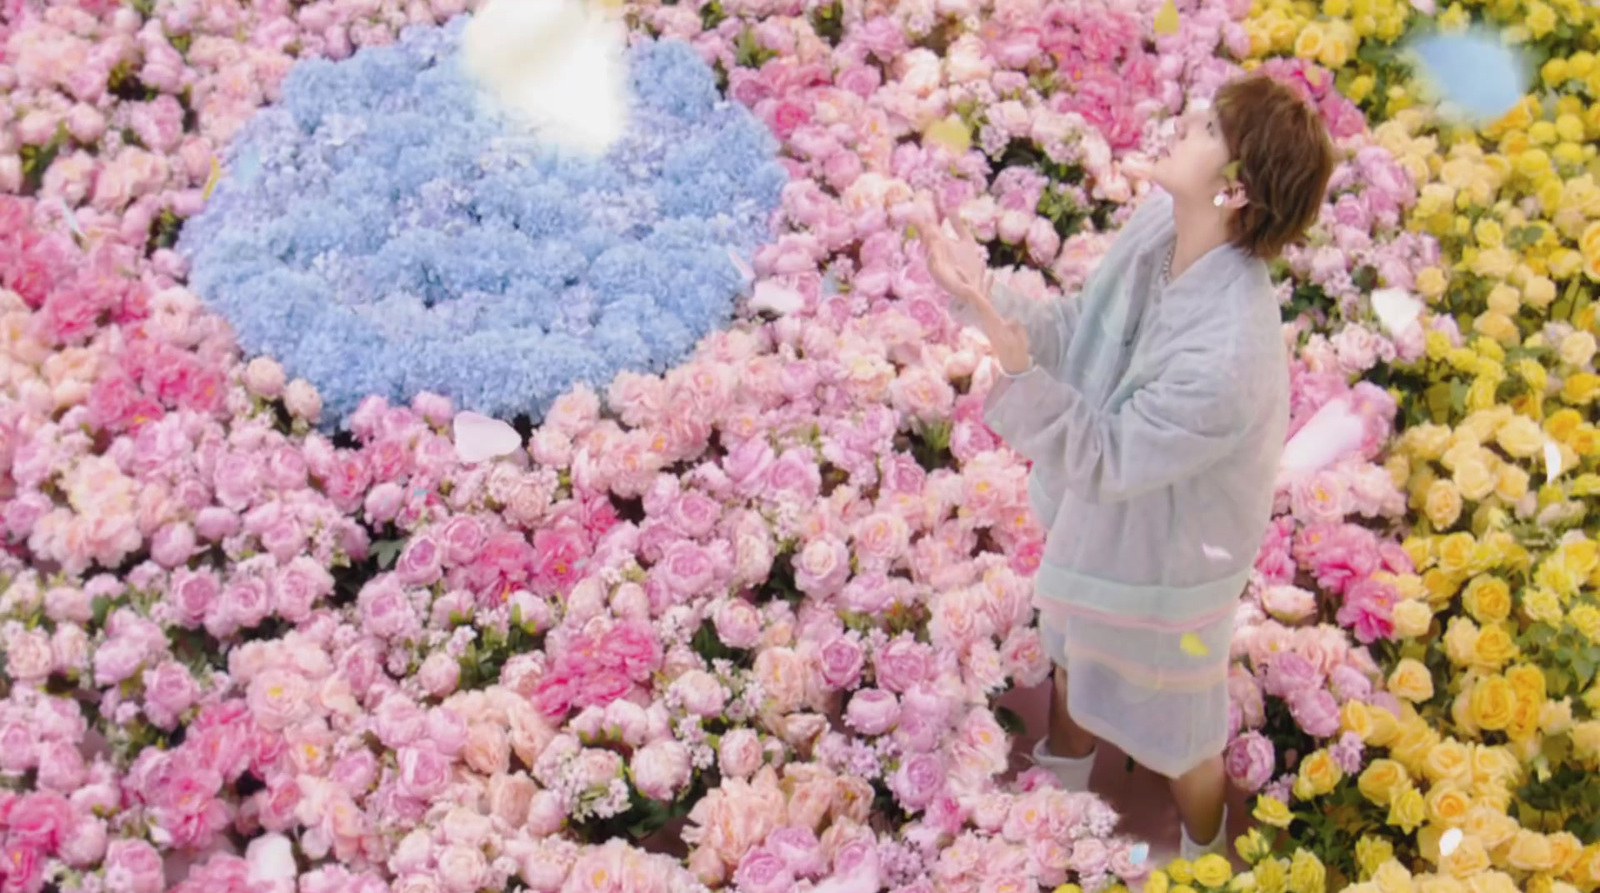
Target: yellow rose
{"x": 1455, "y": 552}
{"x": 1461, "y": 641}
{"x": 1448, "y": 761}
{"x": 1381, "y": 780}
{"x": 1320, "y": 773}
{"x": 1448, "y": 805}
{"x": 1308, "y": 45}
{"x": 1494, "y": 648}
{"x": 1212, "y": 870}
{"x": 1392, "y": 877}
{"x": 1530, "y": 851}
{"x": 1431, "y": 283}
{"x": 1583, "y": 556}
{"x": 1539, "y": 291}
{"x": 1487, "y": 599}
{"x": 1355, "y": 717}
{"x": 1435, "y": 883}
{"x": 1577, "y": 349}
{"x": 1415, "y": 740}
{"x": 1412, "y": 619}
{"x": 1566, "y": 849}
{"x": 1181, "y": 870}
{"x": 1488, "y": 233}
{"x": 1306, "y": 873}
{"x": 1272, "y": 811}
{"x": 1468, "y": 860}
{"x": 1528, "y": 681}
{"x": 1520, "y": 437}
{"x": 1579, "y": 387}
{"x": 1492, "y": 703}
{"x": 1157, "y": 882}
{"x": 1272, "y": 875}
{"x": 1586, "y": 620}
{"x": 1589, "y": 242}
{"x": 1491, "y": 763}
{"x": 1511, "y": 483}
{"x": 1498, "y": 326}
{"x": 1372, "y": 852}
{"x": 1586, "y": 739}
{"x": 1442, "y": 504}
{"x": 1407, "y": 810}
{"x": 1555, "y": 717}
{"x": 1542, "y": 606}
{"x": 1441, "y": 585}
{"x": 1411, "y": 681}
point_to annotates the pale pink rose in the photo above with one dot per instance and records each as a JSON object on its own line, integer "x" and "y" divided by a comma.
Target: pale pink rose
{"x": 134, "y": 866}
{"x": 1290, "y": 604}
{"x": 462, "y": 869}
{"x": 61, "y": 769}
{"x": 173, "y": 545}
{"x": 701, "y": 693}
{"x": 279, "y": 699}
{"x": 738, "y": 624}
{"x": 872, "y": 711}
{"x": 28, "y": 656}
{"x": 302, "y": 400}
{"x": 902, "y": 664}
{"x": 546, "y": 814}
{"x": 822, "y": 567}
{"x": 85, "y": 845}
{"x": 740, "y": 753}
{"x": 509, "y": 797}
{"x": 85, "y": 123}
{"x": 661, "y": 769}
{"x": 264, "y": 377}
{"x": 782, "y": 673}
{"x": 466, "y": 827}
{"x": 841, "y": 661}
{"x": 439, "y": 674}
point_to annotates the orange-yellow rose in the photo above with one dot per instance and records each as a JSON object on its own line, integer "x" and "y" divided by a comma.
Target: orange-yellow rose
{"x": 1494, "y": 648}
{"x": 1493, "y": 702}
{"x": 1449, "y": 761}
{"x": 1381, "y": 780}
{"x": 1487, "y": 598}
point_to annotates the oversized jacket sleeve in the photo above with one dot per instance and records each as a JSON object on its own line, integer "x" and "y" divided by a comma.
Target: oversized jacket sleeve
{"x": 1191, "y": 414}
{"x": 1049, "y": 323}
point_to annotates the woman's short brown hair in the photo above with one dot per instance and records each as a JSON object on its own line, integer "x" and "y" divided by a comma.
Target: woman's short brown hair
{"x": 1285, "y": 159}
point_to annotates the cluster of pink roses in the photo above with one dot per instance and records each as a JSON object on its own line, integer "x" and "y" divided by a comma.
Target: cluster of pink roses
{"x": 757, "y": 597}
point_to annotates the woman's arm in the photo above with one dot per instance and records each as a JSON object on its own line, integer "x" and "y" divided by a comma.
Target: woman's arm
{"x": 1190, "y": 416}
{"x": 1049, "y": 323}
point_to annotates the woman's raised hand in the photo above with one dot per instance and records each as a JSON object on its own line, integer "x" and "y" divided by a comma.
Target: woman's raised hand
{"x": 957, "y": 264}
{"x": 959, "y": 267}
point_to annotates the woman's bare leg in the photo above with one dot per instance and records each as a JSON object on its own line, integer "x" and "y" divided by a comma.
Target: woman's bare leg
{"x": 1201, "y": 794}
{"x": 1067, "y": 738}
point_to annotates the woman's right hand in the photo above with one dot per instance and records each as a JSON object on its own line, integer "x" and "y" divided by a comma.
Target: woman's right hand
{"x": 957, "y": 264}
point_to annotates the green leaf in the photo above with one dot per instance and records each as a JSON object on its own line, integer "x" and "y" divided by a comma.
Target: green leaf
{"x": 1011, "y": 721}
{"x": 386, "y": 551}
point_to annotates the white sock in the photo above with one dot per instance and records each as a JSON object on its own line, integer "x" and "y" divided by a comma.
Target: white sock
{"x": 1191, "y": 851}
{"x": 1072, "y": 772}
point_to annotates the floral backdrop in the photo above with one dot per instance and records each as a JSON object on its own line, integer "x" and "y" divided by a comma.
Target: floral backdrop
{"x": 739, "y": 612}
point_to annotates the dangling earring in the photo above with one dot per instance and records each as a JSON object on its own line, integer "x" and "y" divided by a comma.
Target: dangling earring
{"x": 1219, "y": 201}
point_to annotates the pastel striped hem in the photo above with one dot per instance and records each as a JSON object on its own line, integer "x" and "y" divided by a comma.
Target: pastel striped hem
{"x": 1058, "y": 610}
{"x": 1199, "y": 678}
{"x": 1190, "y": 606}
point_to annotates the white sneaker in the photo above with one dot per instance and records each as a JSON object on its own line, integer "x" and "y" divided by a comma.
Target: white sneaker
{"x": 1073, "y": 774}
{"x": 1190, "y": 851}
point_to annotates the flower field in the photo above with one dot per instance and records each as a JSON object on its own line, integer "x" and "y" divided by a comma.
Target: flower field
{"x": 739, "y": 610}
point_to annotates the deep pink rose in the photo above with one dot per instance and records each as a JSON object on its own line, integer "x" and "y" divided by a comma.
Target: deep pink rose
{"x": 421, "y": 563}
{"x": 842, "y": 661}
{"x": 1315, "y": 711}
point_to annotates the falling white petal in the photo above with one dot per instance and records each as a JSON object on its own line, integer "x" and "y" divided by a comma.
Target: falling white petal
{"x": 1449, "y": 842}
{"x": 1476, "y": 71}
{"x": 1552, "y": 459}
{"x": 1335, "y": 431}
{"x": 1139, "y": 853}
{"x": 480, "y": 438}
{"x": 558, "y": 65}
{"x": 1397, "y": 310}
{"x": 1215, "y": 553}
{"x": 774, "y": 298}
{"x": 269, "y": 858}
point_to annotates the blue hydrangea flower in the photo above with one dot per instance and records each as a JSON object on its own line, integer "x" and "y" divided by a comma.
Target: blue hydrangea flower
{"x": 383, "y": 231}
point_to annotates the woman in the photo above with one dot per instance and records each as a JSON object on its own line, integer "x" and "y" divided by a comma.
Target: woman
{"x": 1154, "y": 410}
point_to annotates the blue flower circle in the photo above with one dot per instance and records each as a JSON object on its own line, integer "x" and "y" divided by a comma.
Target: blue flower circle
{"x": 382, "y": 231}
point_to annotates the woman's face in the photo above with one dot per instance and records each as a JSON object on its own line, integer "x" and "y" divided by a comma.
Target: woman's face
{"x": 1192, "y": 165}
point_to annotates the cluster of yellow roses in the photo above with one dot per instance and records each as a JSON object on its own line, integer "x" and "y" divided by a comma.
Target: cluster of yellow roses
{"x": 1499, "y": 628}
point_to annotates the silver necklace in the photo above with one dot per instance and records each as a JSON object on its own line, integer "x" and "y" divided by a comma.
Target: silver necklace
{"x": 1166, "y": 267}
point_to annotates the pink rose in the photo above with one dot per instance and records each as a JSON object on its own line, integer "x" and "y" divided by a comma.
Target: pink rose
{"x": 1288, "y": 673}
{"x": 509, "y": 798}
{"x": 762, "y": 871}
{"x": 134, "y": 866}
{"x": 782, "y": 673}
{"x": 173, "y": 545}
{"x": 738, "y": 624}
{"x": 855, "y": 867}
{"x": 872, "y": 711}
{"x": 1315, "y": 711}
{"x": 1368, "y": 610}
{"x": 903, "y": 663}
{"x": 298, "y": 586}
{"x": 740, "y": 753}
{"x": 822, "y": 568}
{"x": 842, "y": 661}
{"x": 169, "y": 690}
{"x": 279, "y": 698}
{"x": 487, "y": 749}
{"x": 462, "y": 869}
{"x": 263, "y": 376}
{"x": 439, "y": 674}
{"x": 920, "y": 778}
{"x": 701, "y": 693}
{"x": 661, "y": 769}
{"x": 28, "y": 656}
{"x": 423, "y": 773}
{"x": 1250, "y": 761}
{"x": 1290, "y": 604}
